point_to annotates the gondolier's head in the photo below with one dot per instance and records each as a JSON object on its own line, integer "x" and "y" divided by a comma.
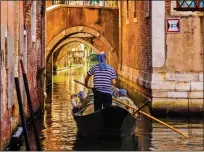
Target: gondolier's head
{"x": 101, "y": 57}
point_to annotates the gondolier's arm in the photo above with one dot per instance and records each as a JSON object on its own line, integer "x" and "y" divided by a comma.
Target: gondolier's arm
{"x": 87, "y": 80}
{"x": 113, "y": 82}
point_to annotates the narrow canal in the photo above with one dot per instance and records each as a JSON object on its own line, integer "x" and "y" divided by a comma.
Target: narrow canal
{"x": 58, "y": 129}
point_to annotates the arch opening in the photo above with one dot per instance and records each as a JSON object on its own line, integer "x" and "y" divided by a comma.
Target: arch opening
{"x": 68, "y": 33}
{"x": 73, "y": 51}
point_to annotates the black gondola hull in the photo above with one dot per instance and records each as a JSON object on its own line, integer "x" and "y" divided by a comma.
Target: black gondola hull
{"x": 114, "y": 121}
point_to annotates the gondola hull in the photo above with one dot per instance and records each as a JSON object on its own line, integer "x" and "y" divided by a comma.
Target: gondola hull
{"x": 114, "y": 121}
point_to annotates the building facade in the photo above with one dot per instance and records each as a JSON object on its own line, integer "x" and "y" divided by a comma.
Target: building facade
{"x": 22, "y": 27}
{"x": 159, "y": 63}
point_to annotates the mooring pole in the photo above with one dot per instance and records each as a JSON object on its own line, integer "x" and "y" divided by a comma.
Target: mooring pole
{"x": 37, "y": 139}
{"x": 25, "y": 132}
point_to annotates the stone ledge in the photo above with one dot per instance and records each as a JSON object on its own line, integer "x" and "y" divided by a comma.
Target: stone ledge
{"x": 182, "y": 86}
{"x": 134, "y": 72}
{"x": 167, "y": 105}
{"x": 158, "y": 77}
{"x": 181, "y": 77}
{"x": 196, "y": 86}
{"x": 166, "y": 94}
{"x": 164, "y": 86}
{"x": 135, "y": 79}
{"x": 201, "y": 77}
{"x": 196, "y": 105}
{"x": 159, "y": 94}
{"x": 177, "y": 94}
{"x": 139, "y": 81}
{"x": 195, "y": 95}
{"x": 147, "y": 84}
{"x": 135, "y": 87}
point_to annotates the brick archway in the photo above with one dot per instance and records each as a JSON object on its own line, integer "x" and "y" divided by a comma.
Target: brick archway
{"x": 57, "y": 50}
{"x": 55, "y": 42}
{"x": 69, "y": 40}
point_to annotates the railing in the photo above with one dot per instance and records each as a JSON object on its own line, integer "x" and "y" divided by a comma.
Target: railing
{"x": 190, "y": 5}
{"x": 55, "y": 2}
{"x": 86, "y": 2}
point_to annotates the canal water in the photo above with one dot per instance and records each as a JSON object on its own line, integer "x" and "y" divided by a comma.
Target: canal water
{"x": 58, "y": 129}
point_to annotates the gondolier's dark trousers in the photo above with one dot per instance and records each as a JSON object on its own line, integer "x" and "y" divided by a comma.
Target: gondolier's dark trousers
{"x": 101, "y": 98}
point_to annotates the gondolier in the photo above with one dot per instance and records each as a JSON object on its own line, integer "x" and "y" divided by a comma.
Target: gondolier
{"x": 104, "y": 78}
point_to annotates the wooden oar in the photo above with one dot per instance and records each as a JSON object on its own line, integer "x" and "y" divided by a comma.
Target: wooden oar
{"x": 142, "y": 112}
{"x": 141, "y": 107}
{"x": 82, "y": 84}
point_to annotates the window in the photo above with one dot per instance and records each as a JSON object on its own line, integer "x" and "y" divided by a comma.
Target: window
{"x": 135, "y": 8}
{"x": 127, "y": 9}
{"x": 94, "y": 2}
{"x": 33, "y": 21}
{"x": 190, "y": 5}
{"x": 24, "y": 53}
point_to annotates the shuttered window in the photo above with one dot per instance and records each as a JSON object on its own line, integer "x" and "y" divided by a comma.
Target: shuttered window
{"x": 127, "y": 9}
{"x": 135, "y": 8}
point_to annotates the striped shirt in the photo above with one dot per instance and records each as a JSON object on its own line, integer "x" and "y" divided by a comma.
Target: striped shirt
{"x": 102, "y": 79}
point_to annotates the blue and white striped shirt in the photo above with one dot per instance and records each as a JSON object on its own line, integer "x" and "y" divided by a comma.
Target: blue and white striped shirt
{"x": 102, "y": 79}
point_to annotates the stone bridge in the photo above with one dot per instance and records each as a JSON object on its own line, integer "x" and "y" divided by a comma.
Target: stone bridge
{"x": 94, "y": 26}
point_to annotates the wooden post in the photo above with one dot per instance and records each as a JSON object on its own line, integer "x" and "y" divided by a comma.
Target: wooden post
{"x": 30, "y": 107}
{"x": 25, "y": 132}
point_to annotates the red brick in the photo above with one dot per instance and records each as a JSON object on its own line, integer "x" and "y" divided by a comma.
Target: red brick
{"x": 136, "y": 37}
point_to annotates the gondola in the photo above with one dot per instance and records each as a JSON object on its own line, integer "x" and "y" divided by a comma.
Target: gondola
{"x": 115, "y": 121}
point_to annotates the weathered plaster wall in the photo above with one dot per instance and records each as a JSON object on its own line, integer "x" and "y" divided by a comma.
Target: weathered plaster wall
{"x": 6, "y": 99}
{"x": 185, "y": 49}
{"x": 177, "y": 85}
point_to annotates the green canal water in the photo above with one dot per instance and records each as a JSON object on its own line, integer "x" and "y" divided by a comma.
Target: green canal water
{"x": 58, "y": 129}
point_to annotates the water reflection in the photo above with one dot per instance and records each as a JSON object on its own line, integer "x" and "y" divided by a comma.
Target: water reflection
{"x": 58, "y": 129}
{"x": 107, "y": 144}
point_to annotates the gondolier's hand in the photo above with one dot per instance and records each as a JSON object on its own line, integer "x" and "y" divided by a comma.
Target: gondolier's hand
{"x": 73, "y": 96}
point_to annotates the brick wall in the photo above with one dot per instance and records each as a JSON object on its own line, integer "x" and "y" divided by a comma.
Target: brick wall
{"x": 14, "y": 16}
{"x": 135, "y": 54}
{"x": 35, "y": 54}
